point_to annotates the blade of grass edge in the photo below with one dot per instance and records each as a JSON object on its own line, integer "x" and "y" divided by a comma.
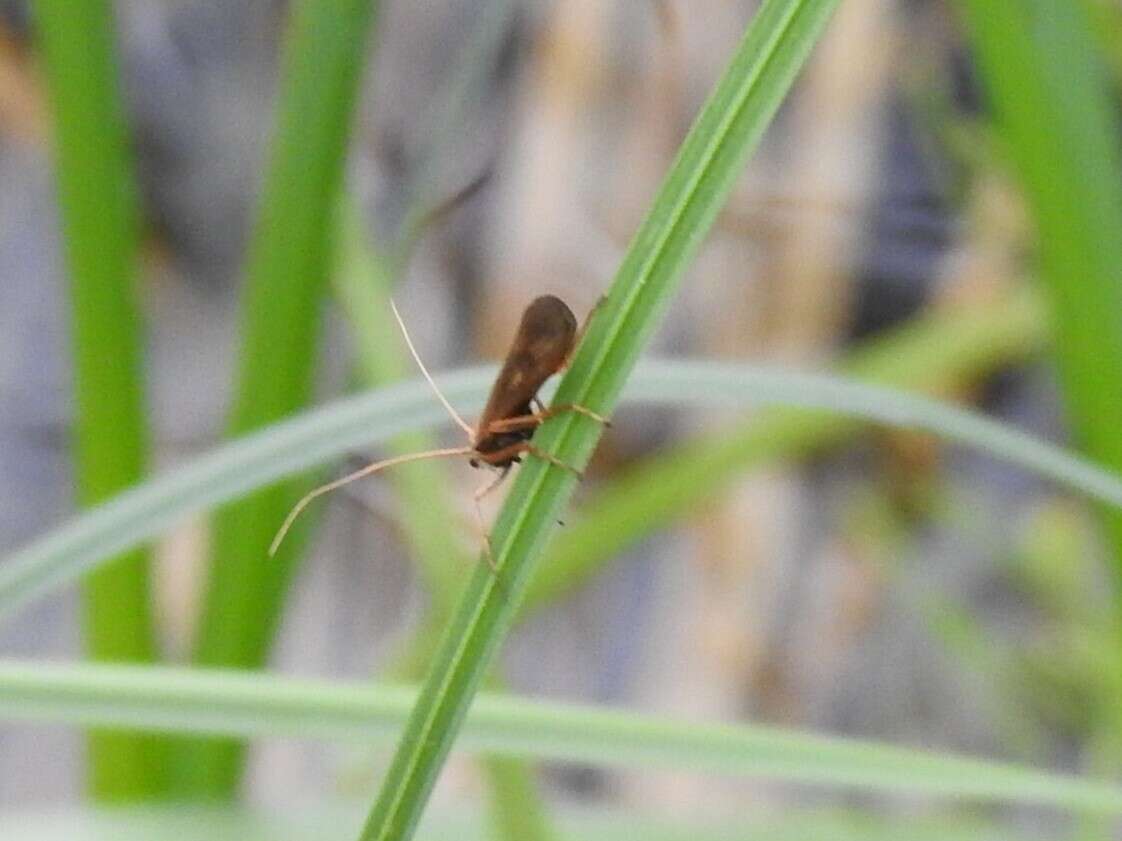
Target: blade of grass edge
{"x": 298, "y": 444}
{"x": 707, "y": 165}
{"x": 1057, "y": 114}
{"x": 264, "y": 705}
{"x": 289, "y": 262}
{"x": 1055, "y": 111}
{"x": 429, "y": 517}
{"x": 518, "y": 813}
{"x": 100, "y": 222}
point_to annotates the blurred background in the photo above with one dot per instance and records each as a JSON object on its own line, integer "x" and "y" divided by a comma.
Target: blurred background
{"x": 857, "y": 582}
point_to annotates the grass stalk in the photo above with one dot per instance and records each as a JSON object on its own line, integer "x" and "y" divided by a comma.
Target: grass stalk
{"x": 428, "y": 514}
{"x": 1058, "y": 119}
{"x": 217, "y": 701}
{"x": 290, "y": 260}
{"x": 707, "y": 165}
{"x": 318, "y": 436}
{"x": 99, "y": 215}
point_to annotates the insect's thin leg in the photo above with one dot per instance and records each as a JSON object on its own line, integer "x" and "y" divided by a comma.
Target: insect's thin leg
{"x": 526, "y": 447}
{"x": 538, "y": 403}
{"x": 350, "y": 477}
{"x": 494, "y": 483}
{"x": 580, "y": 410}
{"x": 487, "y": 551}
{"x": 477, "y": 498}
{"x": 515, "y": 424}
{"x": 544, "y": 456}
{"x": 527, "y": 421}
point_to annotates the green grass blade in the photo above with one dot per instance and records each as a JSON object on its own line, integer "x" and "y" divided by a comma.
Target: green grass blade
{"x": 249, "y": 705}
{"x": 707, "y": 165}
{"x": 315, "y": 437}
{"x": 517, "y": 810}
{"x": 428, "y": 515}
{"x": 1059, "y": 119}
{"x": 97, "y": 199}
{"x": 179, "y": 823}
{"x": 290, "y": 259}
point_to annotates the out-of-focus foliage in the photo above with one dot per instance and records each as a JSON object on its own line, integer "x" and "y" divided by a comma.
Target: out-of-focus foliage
{"x": 783, "y": 568}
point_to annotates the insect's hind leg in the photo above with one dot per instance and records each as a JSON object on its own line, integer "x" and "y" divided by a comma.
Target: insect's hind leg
{"x": 520, "y": 447}
{"x": 580, "y": 410}
{"x": 527, "y": 447}
{"x": 477, "y": 498}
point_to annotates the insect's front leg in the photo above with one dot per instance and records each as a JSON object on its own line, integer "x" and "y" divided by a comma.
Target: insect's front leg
{"x": 520, "y": 447}
{"x": 520, "y": 422}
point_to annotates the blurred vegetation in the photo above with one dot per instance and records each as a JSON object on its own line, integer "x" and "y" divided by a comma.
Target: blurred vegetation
{"x": 97, "y": 202}
{"x": 1026, "y": 154}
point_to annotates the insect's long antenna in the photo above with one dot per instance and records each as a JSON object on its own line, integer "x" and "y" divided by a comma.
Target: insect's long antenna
{"x": 350, "y": 477}
{"x": 417, "y": 358}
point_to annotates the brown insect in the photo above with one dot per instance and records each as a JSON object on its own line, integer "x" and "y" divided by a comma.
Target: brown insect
{"x": 546, "y": 338}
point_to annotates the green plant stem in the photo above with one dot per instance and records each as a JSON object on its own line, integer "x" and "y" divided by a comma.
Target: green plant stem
{"x": 706, "y": 167}
{"x": 428, "y": 514}
{"x": 516, "y": 807}
{"x": 290, "y": 259}
{"x": 97, "y": 201}
{"x": 363, "y": 285}
{"x": 1058, "y": 117}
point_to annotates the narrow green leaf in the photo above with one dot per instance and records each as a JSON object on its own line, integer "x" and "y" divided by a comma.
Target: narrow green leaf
{"x": 290, "y": 259}
{"x": 97, "y": 200}
{"x": 517, "y": 809}
{"x": 315, "y": 437}
{"x": 1058, "y": 116}
{"x": 179, "y": 823}
{"x": 249, "y": 705}
{"x": 706, "y": 167}
{"x": 428, "y": 516}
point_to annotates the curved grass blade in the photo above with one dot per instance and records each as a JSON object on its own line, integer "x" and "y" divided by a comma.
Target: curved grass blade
{"x": 707, "y": 165}
{"x": 249, "y": 705}
{"x": 345, "y": 425}
{"x": 195, "y": 823}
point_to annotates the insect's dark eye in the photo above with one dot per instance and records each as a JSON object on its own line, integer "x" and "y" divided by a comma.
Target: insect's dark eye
{"x": 474, "y": 462}
{"x": 516, "y": 460}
